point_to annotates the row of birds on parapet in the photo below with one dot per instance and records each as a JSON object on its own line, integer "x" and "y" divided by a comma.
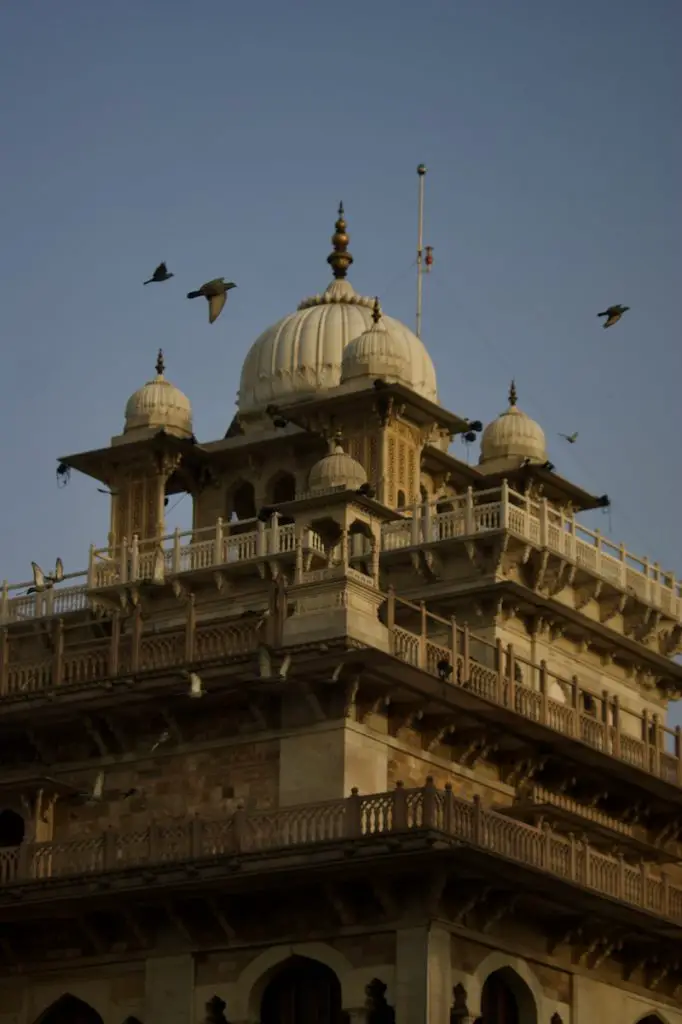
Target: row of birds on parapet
{"x": 215, "y": 291}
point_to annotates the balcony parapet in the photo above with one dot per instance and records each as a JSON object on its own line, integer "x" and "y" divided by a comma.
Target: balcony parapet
{"x": 227, "y": 546}
{"x": 380, "y": 814}
{"x": 497, "y": 674}
{"x": 544, "y": 527}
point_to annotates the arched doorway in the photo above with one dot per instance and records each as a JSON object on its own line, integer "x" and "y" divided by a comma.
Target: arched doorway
{"x": 652, "y": 1018}
{"x": 69, "y": 1009}
{"x": 506, "y": 999}
{"x": 11, "y": 828}
{"x": 302, "y": 991}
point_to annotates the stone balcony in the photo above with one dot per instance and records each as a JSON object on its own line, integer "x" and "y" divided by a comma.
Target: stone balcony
{"x": 39, "y": 872}
{"x": 520, "y": 693}
{"x": 246, "y": 546}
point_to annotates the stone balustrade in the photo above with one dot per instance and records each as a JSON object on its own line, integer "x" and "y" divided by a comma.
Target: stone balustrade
{"x": 498, "y": 674}
{"x": 400, "y": 811}
{"x": 226, "y": 544}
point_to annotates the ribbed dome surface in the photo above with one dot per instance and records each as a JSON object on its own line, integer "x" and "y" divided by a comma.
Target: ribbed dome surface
{"x": 303, "y": 353}
{"x": 377, "y": 352}
{"x": 159, "y": 404}
{"x": 336, "y": 470}
{"x": 512, "y": 438}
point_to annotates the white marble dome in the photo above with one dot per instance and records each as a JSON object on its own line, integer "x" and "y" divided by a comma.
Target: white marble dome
{"x": 377, "y": 352}
{"x": 511, "y": 439}
{"x": 337, "y": 469}
{"x": 159, "y": 404}
{"x": 303, "y": 354}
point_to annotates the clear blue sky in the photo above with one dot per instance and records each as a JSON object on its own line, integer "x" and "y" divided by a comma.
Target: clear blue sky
{"x": 221, "y": 136}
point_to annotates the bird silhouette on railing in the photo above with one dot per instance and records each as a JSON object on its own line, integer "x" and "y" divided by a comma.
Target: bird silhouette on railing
{"x": 160, "y": 274}
{"x": 215, "y": 292}
{"x": 45, "y": 581}
{"x": 366, "y": 491}
{"x": 444, "y": 669}
{"x": 613, "y": 314}
{"x": 571, "y": 438}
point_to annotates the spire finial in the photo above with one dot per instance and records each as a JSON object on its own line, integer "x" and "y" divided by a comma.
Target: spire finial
{"x": 512, "y": 393}
{"x": 376, "y": 312}
{"x": 160, "y": 365}
{"x": 340, "y": 259}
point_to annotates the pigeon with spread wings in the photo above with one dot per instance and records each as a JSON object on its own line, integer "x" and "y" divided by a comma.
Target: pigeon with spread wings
{"x": 216, "y": 293}
{"x": 45, "y": 581}
{"x": 159, "y": 275}
{"x": 613, "y": 314}
{"x": 571, "y": 438}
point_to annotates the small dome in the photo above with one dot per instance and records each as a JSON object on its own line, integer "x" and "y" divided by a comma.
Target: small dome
{"x": 302, "y": 354}
{"x": 511, "y": 439}
{"x": 377, "y": 352}
{"x": 336, "y": 470}
{"x": 159, "y": 404}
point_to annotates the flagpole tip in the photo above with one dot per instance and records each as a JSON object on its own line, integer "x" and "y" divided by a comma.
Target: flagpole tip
{"x": 421, "y": 170}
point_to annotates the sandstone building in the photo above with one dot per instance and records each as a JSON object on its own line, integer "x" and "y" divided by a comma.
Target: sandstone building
{"x": 380, "y": 739}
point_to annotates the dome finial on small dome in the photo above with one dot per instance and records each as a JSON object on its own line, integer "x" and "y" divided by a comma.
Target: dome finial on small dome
{"x": 512, "y": 394}
{"x": 340, "y": 260}
{"x": 376, "y": 312}
{"x": 160, "y": 365}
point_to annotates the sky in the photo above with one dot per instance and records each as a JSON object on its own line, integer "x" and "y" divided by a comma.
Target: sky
{"x": 220, "y": 137}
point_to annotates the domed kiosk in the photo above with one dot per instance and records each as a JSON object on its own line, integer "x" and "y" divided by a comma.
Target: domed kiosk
{"x": 158, "y": 405}
{"x": 512, "y": 439}
{"x": 303, "y": 353}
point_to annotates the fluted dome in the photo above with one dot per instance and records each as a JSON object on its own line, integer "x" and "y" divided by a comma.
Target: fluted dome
{"x": 511, "y": 439}
{"x": 302, "y": 354}
{"x": 159, "y": 405}
{"x": 377, "y": 352}
{"x": 337, "y": 469}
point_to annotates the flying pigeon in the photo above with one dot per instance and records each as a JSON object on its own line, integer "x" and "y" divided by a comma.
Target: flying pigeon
{"x": 43, "y": 581}
{"x": 571, "y": 438}
{"x": 216, "y": 293}
{"x": 160, "y": 274}
{"x": 613, "y": 314}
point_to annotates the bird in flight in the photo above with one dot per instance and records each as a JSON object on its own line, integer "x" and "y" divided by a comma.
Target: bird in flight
{"x": 160, "y": 274}
{"x": 613, "y": 314}
{"x": 571, "y": 438}
{"x": 216, "y": 293}
{"x": 45, "y": 581}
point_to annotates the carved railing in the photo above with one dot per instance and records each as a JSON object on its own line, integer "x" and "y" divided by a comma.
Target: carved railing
{"x": 221, "y": 545}
{"x": 536, "y": 521}
{"x": 401, "y": 810}
{"x": 499, "y": 675}
{"x": 127, "y": 655}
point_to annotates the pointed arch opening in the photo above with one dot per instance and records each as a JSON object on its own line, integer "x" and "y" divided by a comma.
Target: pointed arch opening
{"x": 506, "y": 999}
{"x": 69, "y": 1009}
{"x": 302, "y": 991}
{"x": 651, "y": 1018}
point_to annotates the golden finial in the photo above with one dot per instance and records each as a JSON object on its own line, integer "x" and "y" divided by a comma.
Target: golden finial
{"x": 340, "y": 259}
{"x": 512, "y": 394}
{"x": 160, "y": 365}
{"x": 376, "y": 312}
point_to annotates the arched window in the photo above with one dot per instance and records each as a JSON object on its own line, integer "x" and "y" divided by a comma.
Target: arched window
{"x": 303, "y": 991}
{"x": 282, "y": 488}
{"x": 506, "y": 999}
{"x": 69, "y": 1010}
{"x": 12, "y": 828}
{"x": 242, "y": 501}
{"x": 401, "y": 499}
